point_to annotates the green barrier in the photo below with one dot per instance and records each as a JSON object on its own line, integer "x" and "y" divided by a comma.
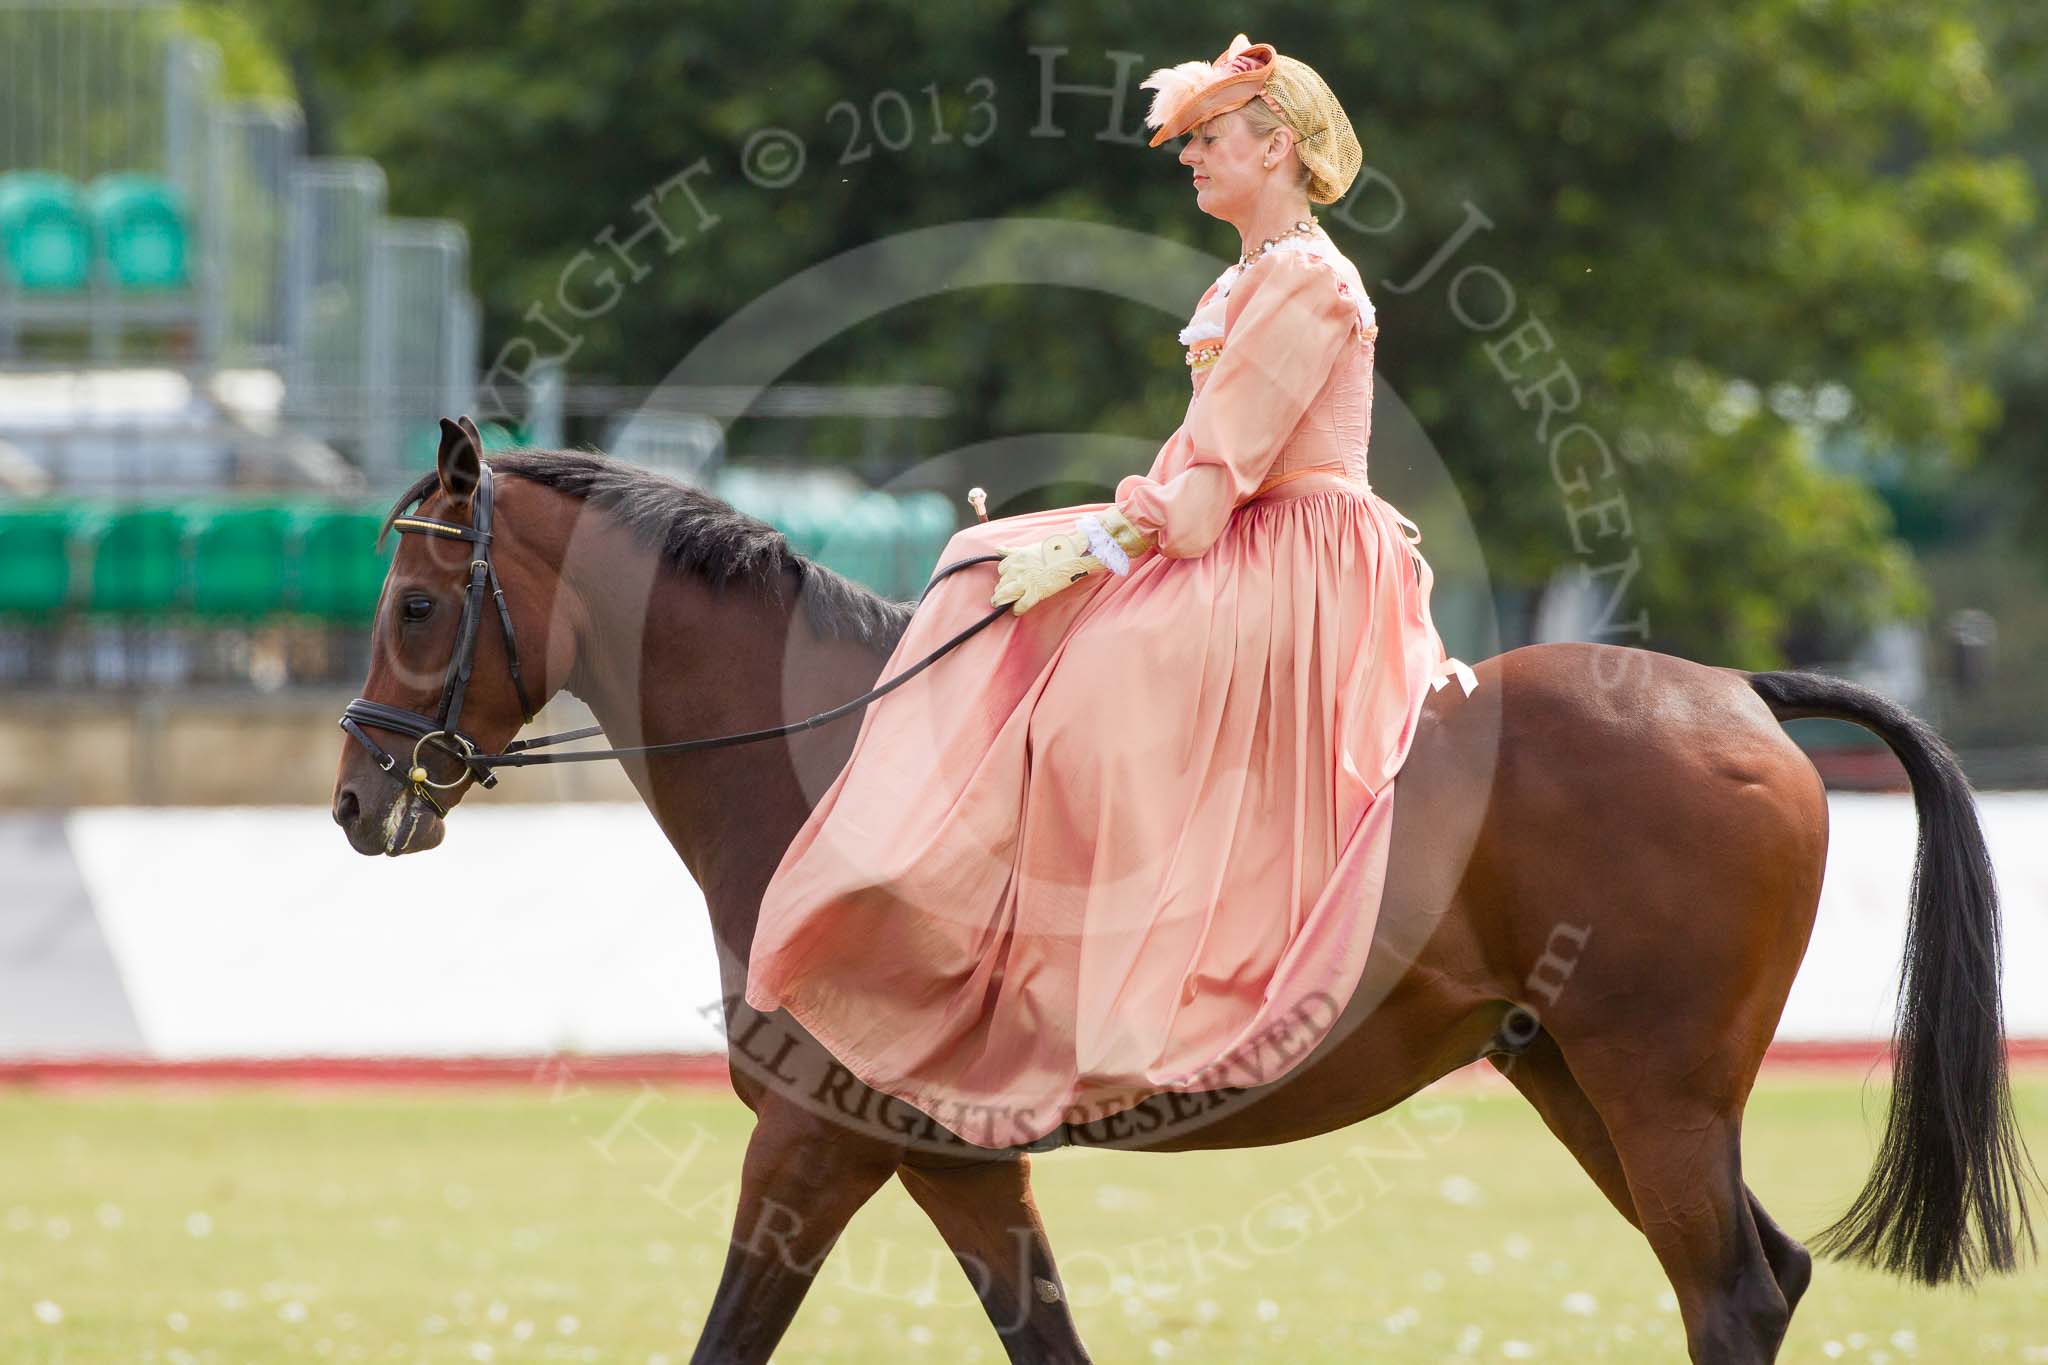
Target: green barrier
{"x": 248, "y": 561}
{"x": 35, "y": 560}
{"x": 863, "y": 543}
{"x": 138, "y": 560}
{"x": 141, "y": 229}
{"x": 240, "y": 560}
{"x": 929, "y": 522}
{"x": 338, "y": 571}
{"x": 44, "y": 244}
{"x": 890, "y": 542}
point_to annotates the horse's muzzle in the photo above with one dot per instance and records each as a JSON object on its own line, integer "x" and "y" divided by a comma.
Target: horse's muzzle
{"x": 397, "y": 824}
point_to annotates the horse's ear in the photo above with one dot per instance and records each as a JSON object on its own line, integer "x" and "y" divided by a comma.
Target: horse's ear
{"x": 461, "y": 460}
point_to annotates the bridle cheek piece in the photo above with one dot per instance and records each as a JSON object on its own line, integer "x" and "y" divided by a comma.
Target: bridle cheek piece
{"x": 443, "y": 730}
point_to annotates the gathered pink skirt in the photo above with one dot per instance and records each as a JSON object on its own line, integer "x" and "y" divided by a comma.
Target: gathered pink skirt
{"x": 1105, "y": 849}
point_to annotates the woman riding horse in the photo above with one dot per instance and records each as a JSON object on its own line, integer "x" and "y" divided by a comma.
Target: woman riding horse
{"x": 1125, "y": 837}
{"x": 1110, "y": 876}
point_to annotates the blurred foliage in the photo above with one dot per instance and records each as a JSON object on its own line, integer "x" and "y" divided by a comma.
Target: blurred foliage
{"x": 2018, "y": 446}
{"x": 249, "y": 66}
{"x": 1824, "y": 201}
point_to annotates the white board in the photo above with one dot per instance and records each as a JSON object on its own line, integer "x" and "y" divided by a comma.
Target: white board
{"x": 534, "y": 929}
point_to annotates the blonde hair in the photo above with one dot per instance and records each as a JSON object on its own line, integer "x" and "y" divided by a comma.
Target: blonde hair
{"x": 1323, "y": 141}
{"x": 1263, "y": 122}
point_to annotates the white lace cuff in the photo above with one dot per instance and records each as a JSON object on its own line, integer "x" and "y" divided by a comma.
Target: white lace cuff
{"x": 1101, "y": 544}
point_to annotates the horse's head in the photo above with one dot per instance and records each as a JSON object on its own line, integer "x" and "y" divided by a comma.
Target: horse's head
{"x": 462, "y": 654}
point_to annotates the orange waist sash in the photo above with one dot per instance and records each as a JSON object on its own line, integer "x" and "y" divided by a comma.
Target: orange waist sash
{"x": 1320, "y": 477}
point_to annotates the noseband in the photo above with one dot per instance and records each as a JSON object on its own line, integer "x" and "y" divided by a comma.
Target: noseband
{"x": 443, "y": 731}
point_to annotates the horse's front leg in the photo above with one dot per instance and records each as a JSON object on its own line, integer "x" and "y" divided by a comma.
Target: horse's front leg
{"x": 985, "y": 1212}
{"x": 803, "y": 1178}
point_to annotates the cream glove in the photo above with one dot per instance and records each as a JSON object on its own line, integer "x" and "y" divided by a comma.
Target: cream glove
{"x": 1028, "y": 574}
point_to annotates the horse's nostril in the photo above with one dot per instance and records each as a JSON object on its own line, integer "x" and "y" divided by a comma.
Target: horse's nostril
{"x": 346, "y": 807}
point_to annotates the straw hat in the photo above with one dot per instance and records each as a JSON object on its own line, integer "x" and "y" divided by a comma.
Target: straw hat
{"x": 1194, "y": 92}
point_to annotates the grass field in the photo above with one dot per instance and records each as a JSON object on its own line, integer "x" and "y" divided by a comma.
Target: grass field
{"x": 235, "y": 1226}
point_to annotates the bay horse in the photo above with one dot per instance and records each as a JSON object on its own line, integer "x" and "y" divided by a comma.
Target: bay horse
{"x": 1605, "y": 869}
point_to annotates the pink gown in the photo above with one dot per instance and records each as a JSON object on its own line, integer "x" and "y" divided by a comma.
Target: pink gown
{"x": 1118, "y": 845}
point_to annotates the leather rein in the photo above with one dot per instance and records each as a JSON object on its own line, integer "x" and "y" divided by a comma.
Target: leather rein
{"x": 443, "y": 732}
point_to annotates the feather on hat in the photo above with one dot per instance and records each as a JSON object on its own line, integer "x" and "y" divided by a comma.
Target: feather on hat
{"x": 1193, "y": 92}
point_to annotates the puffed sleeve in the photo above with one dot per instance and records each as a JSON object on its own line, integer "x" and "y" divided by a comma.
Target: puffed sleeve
{"x": 1286, "y": 323}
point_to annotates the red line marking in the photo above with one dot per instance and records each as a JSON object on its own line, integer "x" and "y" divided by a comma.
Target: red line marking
{"x": 1871, "y": 1052}
{"x": 664, "y": 1068}
{"x": 1842, "y": 1058}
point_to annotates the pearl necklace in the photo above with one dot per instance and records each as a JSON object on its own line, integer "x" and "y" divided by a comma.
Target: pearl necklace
{"x": 1308, "y": 224}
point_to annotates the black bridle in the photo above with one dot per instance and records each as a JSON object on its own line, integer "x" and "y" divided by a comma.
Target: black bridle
{"x": 443, "y": 729}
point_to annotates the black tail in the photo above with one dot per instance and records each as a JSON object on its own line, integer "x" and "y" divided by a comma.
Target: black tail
{"x": 1948, "y": 1199}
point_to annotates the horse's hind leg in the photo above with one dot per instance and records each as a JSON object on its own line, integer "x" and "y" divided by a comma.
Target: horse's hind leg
{"x": 1681, "y": 1153}
{"x": 1540, "y": 1073}
{"x": 985, "y": 1212}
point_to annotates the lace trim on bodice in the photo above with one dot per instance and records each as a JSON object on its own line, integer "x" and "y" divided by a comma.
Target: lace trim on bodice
{"x": 1203, "y": 336}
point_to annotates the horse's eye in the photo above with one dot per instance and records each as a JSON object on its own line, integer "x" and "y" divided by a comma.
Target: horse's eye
{"x": 418, "y": 608}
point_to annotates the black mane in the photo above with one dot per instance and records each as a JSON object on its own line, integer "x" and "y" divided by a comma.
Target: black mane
{"x": 702, "y": 535}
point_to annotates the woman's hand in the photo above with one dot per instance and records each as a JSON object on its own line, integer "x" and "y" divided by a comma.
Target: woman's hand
{"x": 1112, "y": 538}
{"x": 1028, "y": 574}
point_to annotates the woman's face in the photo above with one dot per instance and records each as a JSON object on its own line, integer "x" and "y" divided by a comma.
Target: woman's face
{"x": 1228, "y": 161}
